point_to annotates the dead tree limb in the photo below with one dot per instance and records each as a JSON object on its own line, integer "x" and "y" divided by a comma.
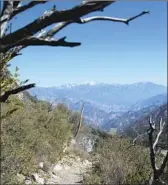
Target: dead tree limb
{"x": 43, "y": 42}
{"x": 113, "y": 19}
{"x": 161, "y": 127}
{"x": 6, "y": 95}
{"x": 80, "y": 121}
{"x": 49, "y": 18}
{"x": 69, "y": 16}
{"x": 6, "y": 13}
{"x": 8, "y": 113}
{"x": 135, "y": 140}
{"x": 157, "y": 171}
{"x": 58, "y": 27}
{"x": 22, "y": 9}
{"x": 164, "y": 163}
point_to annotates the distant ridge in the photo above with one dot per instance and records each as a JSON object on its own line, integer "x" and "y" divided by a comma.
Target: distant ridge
{"x": 103, "y": 98}
{"x": 93, "y": 83}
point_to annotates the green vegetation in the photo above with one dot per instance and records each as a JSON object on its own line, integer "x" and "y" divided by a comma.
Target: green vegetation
{"x": 115, "y": 164}
{"x": 31, "y": 135}
{"x": 32, "y": 132}
{"x": 7, "y": 79}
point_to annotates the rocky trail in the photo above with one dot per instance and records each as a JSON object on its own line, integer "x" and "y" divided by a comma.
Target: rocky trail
{"x": 68, "y": 171}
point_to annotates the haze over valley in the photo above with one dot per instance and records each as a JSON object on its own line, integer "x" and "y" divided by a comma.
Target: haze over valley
{"x": 105, "y": 103}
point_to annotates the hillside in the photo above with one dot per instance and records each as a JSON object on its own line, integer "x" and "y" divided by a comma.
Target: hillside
{"x": 33, "y": 135}
{"x": 141, "y": 125}
{"x": 138, "y": 110}
{"x": 128, "y": 118}
{"x": 157, "y": 100}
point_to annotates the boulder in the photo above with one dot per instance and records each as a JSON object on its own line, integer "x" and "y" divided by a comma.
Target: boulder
{"x": 37, "y": 178}
{"x": 57, "y": 167}
{"x": 41, "y": 165}
{"x": 47, "y": 167}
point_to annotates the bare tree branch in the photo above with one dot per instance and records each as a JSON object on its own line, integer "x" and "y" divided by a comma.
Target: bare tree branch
{"x": 7, "y": 6}
{"x": 41, "y": 42}
{"x": 157, "y": 172}
{"x": 58, "y": 27}
{"x": 6, "y": 95}
{"x": 6, "y": 12}
{"x": 8, "y": 113}
{"x": 62, "y": 25}
{"x": 152, "y": 153}
{"x": 113, "y": 19}
{"x": 134, "y": 17}
{"x": 50, "y": 18}
{"x": 159, "y": 133}
{"x": 42, "y": 35}
{"x": 22, "y": 9}
{"x": 80, "y": 120}
{"x": 135, "y": 140}
{"x": 164, "y": 163}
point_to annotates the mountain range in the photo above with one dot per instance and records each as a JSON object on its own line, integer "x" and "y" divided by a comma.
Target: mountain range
{"x": 105, "y": 103}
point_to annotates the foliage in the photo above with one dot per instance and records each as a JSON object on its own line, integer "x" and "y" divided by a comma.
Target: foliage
{"x": 113, "y": 164}
{"x": 31, "y": 135}
{"x": 8, "y": 80}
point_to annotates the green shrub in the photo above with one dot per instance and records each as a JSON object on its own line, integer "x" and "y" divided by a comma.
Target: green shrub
{"x": 115, "y": 164}
{"x": 31, "y": 135}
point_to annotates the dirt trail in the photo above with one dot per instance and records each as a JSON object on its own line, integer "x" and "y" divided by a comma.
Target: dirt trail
{"x": 69, "y": 171}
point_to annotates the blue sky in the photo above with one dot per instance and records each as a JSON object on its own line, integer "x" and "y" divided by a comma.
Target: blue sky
{"x": 110, "y": 52}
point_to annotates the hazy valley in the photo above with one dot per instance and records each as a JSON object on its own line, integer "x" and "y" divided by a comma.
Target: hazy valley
{"x": 107, "y": 105}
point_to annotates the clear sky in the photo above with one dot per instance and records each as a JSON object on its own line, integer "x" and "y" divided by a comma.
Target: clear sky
{"x": 110, "y": 52}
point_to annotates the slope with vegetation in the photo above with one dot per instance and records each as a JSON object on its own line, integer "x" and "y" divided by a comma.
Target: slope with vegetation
{"x": 32, "y": 134}
{"x": 125, "y": 160}
{"x": 35, "y": 132}
{"x": 114, "y": 164}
